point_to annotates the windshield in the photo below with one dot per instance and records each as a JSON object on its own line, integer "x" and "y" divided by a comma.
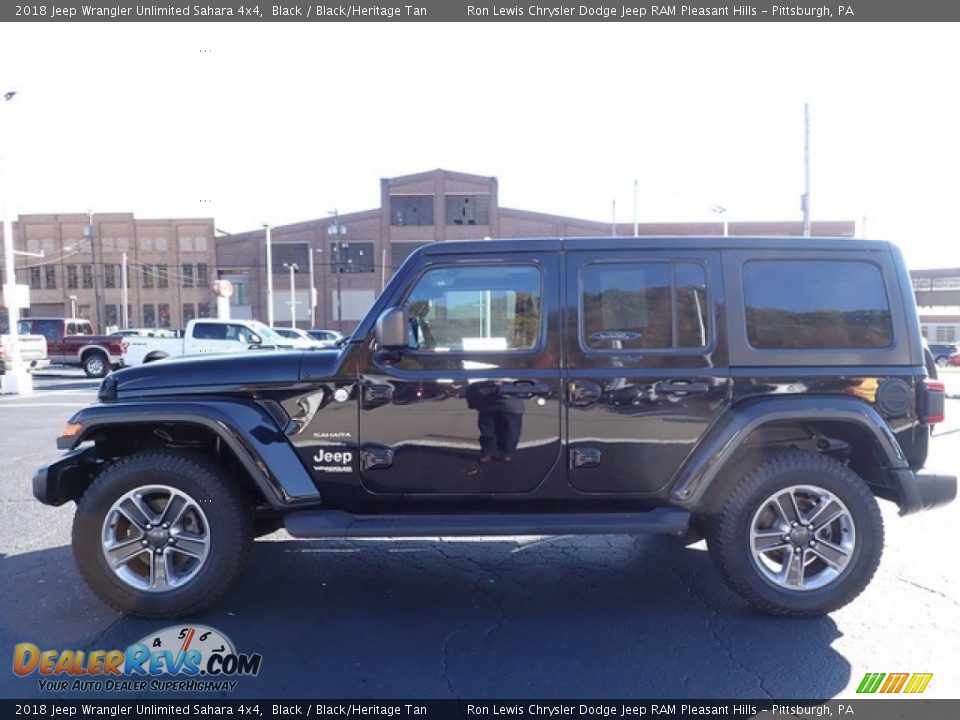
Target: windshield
{"x": 268, "y": 334}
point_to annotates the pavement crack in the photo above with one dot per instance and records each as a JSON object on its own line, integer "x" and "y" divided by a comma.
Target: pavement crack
{"x": 931, "y": 590}
{"x": 95, "y": 643}
{"x": 712, "y": 629}
{"x": 446, "y": 663}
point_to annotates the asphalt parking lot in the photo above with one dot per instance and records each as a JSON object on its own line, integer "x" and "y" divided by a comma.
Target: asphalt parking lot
{"x": 564, "y": 617}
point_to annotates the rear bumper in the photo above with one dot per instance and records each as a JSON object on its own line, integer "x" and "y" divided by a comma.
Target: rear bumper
{"x": 922, "y": 491}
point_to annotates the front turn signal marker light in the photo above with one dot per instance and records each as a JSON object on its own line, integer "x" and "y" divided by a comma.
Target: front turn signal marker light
{"x": 71, "y": 430}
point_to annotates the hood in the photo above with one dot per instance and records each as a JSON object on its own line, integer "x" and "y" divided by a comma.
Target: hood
{"x": 235, "y": 372}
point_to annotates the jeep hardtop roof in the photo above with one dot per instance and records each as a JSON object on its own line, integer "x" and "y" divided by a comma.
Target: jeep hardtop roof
{"x": 678, "y": 242}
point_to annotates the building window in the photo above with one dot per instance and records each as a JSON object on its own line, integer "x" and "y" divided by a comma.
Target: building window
{"x": 73, "y": 280}
{"x": 186, "y": 275}
{"x": 946, "y": 333}
{"x": 203, "y": 310}
{"x": 110, "y": 275}
{"x": 947, "y": 283}
{"x": 163, "y": 279}
{"x": 87, "y": 276}
{"x": 149, "y": 316}
{"x": 811, "y": 304}
{"x": 352, "y": 257}
{"x": 186, "y": 244}
{"x": 467, "y": 209}
{"x": 188, "y": 313}
{"x": 201, "y": 274}
{"x": 644, "y": 306}
{"x": 411, "y": 210}
{"x": 34, "y": 276}
{"x": 145, "y": 244}
{"x": 50, "y": 277}
{"x": 163, "y": 313}
{"x": 147, "y": 281}
{"x": 111, "y": 315}
{"x": 200, "y": 244}
{"x": 920, "y": 284}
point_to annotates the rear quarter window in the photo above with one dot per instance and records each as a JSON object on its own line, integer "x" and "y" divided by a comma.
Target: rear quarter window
{"x": 816, "y": 304}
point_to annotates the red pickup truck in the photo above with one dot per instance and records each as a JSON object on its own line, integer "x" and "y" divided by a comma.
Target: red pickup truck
{"x": 70, "y": 341}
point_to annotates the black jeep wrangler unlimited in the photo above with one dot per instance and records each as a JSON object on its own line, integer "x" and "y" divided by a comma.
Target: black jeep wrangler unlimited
{"x": 761, "y": 393}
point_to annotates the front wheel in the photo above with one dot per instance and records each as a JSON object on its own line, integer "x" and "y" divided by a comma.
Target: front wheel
{"x": 943, "y": 361}
{"x": 801, "y": 535}
{"x": 161, "y": 534}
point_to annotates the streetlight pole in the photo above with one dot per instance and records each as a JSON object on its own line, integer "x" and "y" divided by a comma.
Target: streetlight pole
{"x": 337, "y": 229}
{"x": 293, "y": 267}
{"x": 17, "y": 379}
{"x": 97, "y": 269}
{"x": 123, "y": 292}
{"x": 805, "y": 204}
{"x": 269, "y": 277}
{"x": 722, "y": 212}
{"x": 313, "y": 288}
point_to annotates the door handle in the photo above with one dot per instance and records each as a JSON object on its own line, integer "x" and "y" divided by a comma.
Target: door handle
{"x": 525, "y": 389}
{"x": 681, "y": 387}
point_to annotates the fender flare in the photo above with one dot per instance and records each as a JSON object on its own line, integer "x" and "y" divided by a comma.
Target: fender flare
{"x": 246, "y": 428}
{"x": 728, "y": 434}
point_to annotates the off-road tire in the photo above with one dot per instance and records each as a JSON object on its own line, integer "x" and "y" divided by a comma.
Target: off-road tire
{"x": 227, "y": 511}
{"x": 729, "y": 534}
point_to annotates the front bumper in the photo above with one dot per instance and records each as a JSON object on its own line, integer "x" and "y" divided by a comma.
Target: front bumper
{"x": 922, "y": 491}
{"x": 66, "y": 479}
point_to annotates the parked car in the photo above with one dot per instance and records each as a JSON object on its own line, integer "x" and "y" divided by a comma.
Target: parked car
{"x": 943, "y": 352}
{"x": 299, "y": 338}
{"x": 204, "y": 337}
{"x": 761, "y": 393}
{"x": 33, "y": 352}
{"x": 328, "y": 337}
{"x": 70, "y": 341}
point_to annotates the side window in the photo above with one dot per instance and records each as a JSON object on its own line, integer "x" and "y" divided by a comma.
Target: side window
{"x": 644, "y": 306}
{"x": 816, "y": 304}
{"x": 476, "y": 309}
{"x": 209, "y": 331}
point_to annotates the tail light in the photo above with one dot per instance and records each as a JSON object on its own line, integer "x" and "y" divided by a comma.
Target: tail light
{"x": 932, "y": 402}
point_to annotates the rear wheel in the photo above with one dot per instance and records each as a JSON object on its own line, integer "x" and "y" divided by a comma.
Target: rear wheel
{"x": 801, "y": 535}
{"x": 95, "y": 365}
{"x": 943, "y": 361}
{"x": 161, "y": 534}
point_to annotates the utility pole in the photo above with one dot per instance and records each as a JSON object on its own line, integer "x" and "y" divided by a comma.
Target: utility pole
{"x": 805, "y": 202}
{"x": 636, "y": 222}
{"x": 313, "y": 288}
{"x": 269, "y": 277}
{"x": 337, "y": 229}
{"x": 613, "y": 220}
{"x": 96, "y": 269}
{"x": 123, "y": 293}
{"x": 293, "y": 267}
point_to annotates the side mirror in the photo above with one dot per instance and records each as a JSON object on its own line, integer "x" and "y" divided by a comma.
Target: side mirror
{"x": 392, "y": 330}
{"x": 256, "y": 339}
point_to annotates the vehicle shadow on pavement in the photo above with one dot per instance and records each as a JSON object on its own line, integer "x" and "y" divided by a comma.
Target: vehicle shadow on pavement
{"x": 567, "y": 617}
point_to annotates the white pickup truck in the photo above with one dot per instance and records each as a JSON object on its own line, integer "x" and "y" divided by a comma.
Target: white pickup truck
{"x": 33, "y": 351}
{"x": 202, "y": 337}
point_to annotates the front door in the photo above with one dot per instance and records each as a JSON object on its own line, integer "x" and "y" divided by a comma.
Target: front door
{"x": 473, "y": 404}
{"x": 647, "y": 374}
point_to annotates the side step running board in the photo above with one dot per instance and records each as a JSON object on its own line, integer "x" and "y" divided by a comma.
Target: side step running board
{"x": 340, "y": 524}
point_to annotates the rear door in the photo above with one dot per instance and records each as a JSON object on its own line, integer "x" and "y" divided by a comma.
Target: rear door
{"x": 647, "y": 373}
{"x": 472, "y": 405}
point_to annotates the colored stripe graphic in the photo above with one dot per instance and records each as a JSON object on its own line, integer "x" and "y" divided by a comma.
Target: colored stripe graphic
{"x": 918, "y": 683}
{"x": 870, "y": 682}
{"x": 894, "y": 683}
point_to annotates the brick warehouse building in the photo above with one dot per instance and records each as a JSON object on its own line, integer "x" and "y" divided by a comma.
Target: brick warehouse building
{"x": 169, "y": 265}
{"x": 349, "y": 258}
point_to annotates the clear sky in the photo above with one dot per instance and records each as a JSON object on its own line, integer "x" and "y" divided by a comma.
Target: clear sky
{"x": 282, "y": 122}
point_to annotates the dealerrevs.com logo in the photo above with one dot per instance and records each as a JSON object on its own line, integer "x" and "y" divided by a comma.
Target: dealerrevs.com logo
{"x": 179, "y": 658}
